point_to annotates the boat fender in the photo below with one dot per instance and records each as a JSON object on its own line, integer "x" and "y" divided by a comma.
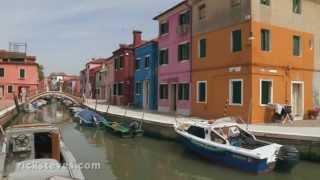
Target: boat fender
{"x": 133, "y": 127}
{"x": 287, "y": 158}
{"x": 95, "y": 121}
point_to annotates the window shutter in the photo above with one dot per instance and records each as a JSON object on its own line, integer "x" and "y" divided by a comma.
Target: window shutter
{"x": 236, "y": 98}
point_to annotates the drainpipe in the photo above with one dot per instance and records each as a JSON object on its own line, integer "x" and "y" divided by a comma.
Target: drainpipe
{"x": 191, "y": 54}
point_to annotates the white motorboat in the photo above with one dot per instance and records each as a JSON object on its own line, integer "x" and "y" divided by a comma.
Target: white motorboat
{"x": 227, "y": 142}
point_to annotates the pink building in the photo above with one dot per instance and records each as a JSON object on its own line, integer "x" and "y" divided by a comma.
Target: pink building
{"x": 87, "y": 78}
{"x": 174, "y": 72}
{"x": 18, "y": 75}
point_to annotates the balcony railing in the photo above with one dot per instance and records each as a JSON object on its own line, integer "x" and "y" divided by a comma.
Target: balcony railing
{"x": 183, "y": 29}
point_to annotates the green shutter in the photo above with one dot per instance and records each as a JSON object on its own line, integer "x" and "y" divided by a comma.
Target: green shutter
{"x": 265, "y": 94}
{"x": 237, "y": 92}
{"x": 296, "y": 45}
{"x": 265, "y": 40}
{"x": 237, "y": 41}
{"x": 203, "y": 48}
{"x": 202, "y": 92}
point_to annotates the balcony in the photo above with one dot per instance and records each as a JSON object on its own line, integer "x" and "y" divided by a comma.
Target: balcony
{"x": 183, "y": 29}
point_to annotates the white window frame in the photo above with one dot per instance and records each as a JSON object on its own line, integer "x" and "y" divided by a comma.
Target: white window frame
{"x": 271, "y": 98}
{"x": 184, "y": 43}
{"x": 300, "y": 46}
{"x": 163, "y": 49}
{"x": 231, "y": 92}
{"x": 138, "y": 59}
{"x": 206, "y": 95}
{"x": 270, "y": 40}
{"x": 144, "y": 61}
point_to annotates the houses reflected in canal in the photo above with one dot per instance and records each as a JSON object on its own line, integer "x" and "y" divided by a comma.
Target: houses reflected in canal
{"x": 143, "y": 158}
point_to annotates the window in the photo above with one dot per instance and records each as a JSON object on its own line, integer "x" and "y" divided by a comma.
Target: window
{"x": 202, "y": 48}
{"x": 183, "y": 52}
{"x": 183, "y": 92}
{"x": 235, "y": 3}
{"x": 10, "y": 89}
{"x": 236, "y": 41}
{"x": 138, "y": 88}
{"x": 1, "y": 72}
{"x": 296, "y": 45}
{"x": 147, "y": 62}
{"x": 265, "y": 2}
{"x": 266, "y": 92}
{"x": 235, "y": 91}
{"x": 118, "y": 89}
{"x": 115, "y": 89}
{"x": 184, "y": 18}
{"x": 163, "y": 91}
{"x": 217, "y": 139}
{"x": 121, "y": 62}
{"x": 265, "y": 40}
{"x": 22, "y": 73}
{"x": 137, "y": 64}
{"x": 202, "y": 91}
{"x": 197, "y": 131}
{"x": 202, "y": 11}
{"x": 164, "y": 55}
{"x": 164, "y": 28}
{"x": 296, "y": 4}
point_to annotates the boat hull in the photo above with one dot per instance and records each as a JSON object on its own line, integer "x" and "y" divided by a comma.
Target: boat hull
{"x": 228, "y": 158}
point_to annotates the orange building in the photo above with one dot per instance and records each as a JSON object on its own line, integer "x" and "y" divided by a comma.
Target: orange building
{"x": 249, "y": 54}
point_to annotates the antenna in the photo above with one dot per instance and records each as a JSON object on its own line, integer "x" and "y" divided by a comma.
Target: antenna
{"x": 18, "y": 47}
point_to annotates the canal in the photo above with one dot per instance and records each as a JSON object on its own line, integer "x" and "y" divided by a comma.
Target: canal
{"x": 144, "y": 158}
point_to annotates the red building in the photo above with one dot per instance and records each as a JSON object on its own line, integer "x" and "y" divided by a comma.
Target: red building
{"x": 124, "y": 68}
{"x": 18, "y": 75}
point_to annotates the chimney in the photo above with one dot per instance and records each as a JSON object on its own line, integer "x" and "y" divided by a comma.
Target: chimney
{"x": 137, "y": 38}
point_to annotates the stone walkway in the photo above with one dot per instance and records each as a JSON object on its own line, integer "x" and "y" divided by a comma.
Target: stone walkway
{"x": 304, "y": 130}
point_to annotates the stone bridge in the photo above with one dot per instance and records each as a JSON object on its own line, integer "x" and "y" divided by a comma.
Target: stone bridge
{"x": 74, "y": 99}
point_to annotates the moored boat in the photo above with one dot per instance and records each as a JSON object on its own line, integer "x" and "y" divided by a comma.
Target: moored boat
{"x": 37, "y": 152}
{"x": 91, "y": 118}
{"x": 225, "y": 141}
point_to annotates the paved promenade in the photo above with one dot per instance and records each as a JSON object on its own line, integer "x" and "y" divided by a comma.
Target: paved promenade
{"x": 304, "y": 130}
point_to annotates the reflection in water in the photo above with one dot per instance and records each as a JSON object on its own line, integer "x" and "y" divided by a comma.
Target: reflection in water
{"x": 145, "y": 158}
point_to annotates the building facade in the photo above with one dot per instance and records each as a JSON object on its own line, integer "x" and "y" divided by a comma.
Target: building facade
{"x": 174, "y": 71}
{"x": 145, "y": 78}
{"x": 108, "y": 79}
{"x": 18, "y": 75}
{"x": 249, "y": 54}
{"x": 124, "y": 68}
{"x": 88, "y": 77}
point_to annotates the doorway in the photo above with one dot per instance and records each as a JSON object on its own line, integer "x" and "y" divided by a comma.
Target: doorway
{"x": 1, "y": 92}
{"x": 146, "y": 92}
{"x": 297, "y": 100}
{"x": 173, "y": 97}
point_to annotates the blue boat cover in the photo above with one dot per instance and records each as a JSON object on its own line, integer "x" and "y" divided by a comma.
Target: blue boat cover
{"x": 89, "y": 115}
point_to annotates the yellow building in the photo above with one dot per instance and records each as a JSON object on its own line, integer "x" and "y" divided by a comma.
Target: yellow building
{"x": 248, "y": 54}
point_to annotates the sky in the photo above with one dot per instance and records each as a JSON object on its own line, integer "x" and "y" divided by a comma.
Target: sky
{"x": 65, "y": 34}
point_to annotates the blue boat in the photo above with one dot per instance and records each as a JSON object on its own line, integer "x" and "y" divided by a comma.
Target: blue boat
{"x": 90, "y": 118}
{"x": 226, "y": 142}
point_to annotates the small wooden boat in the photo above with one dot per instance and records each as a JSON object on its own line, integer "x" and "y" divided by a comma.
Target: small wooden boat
{"x": 125, "y": 129}
{"x": 90, "y": 118}
{"x": 225, "y": 141}
{"x": 37, "y": 152}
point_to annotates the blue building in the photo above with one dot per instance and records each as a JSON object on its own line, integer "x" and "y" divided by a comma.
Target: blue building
{"x": 145, "y": 77}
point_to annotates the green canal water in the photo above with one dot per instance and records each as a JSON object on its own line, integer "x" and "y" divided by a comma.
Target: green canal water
{"x": 145, "y": 158}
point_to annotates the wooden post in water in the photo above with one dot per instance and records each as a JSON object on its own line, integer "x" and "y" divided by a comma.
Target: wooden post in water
{"x": 16, "y": 102}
